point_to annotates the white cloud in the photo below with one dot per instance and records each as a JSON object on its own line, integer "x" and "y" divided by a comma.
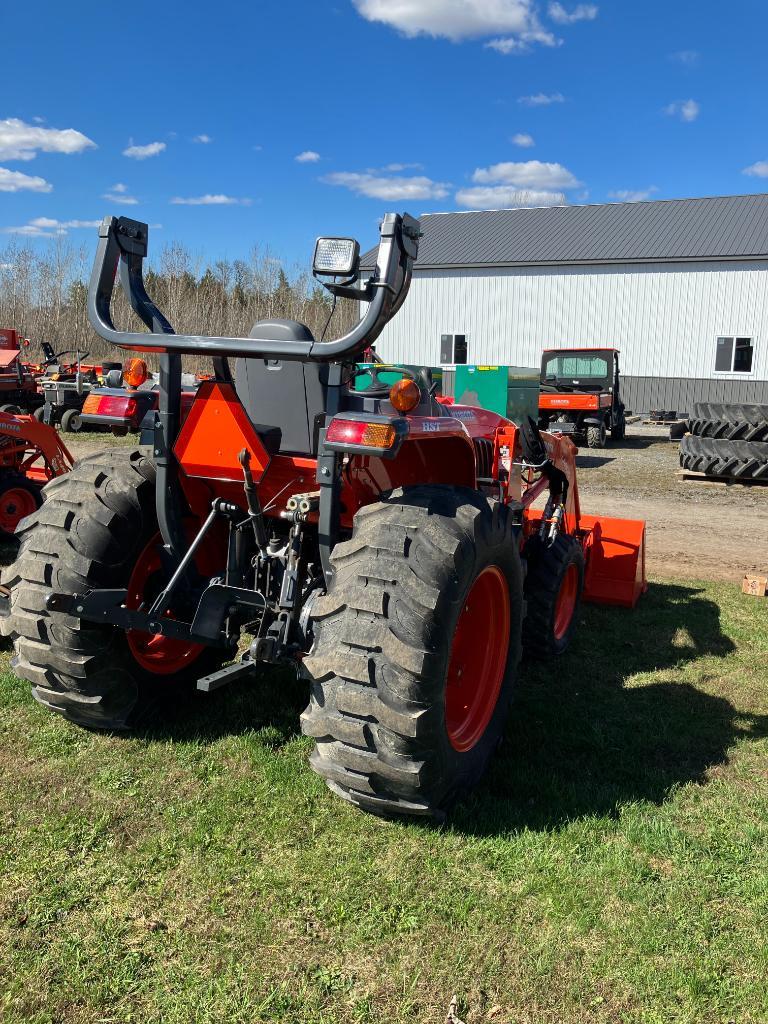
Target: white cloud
{"x": 20, "y": 141}
{"x": 202, "y": 139}
{"x": 397, "y": 168}
{"x": 49, "y": 227}
{"x": 142, "y": 152}
{"x": 460, "y": 19}
{"x": 686, "y": 110}
{"x": 541, "y": 99}
{"x": 379, "y": 186}
{"x": 522, "y": 43}
{"x": 15, "y": 181}
{"x": 500, "y": 197}
{"x": 309, "y": 156}
{"x": 119, "y": 194}
{"x": 630, "y": 195}
{"x": 526, "y": 174}
{"x": 581, "y": 12}
{"x": 689, "y": 58}
{"x": 524, "y": 140}
{"x": 210, "y": 200}
{"x": 758, "y": 170}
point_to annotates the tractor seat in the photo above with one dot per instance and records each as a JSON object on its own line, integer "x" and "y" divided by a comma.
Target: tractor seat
{"x": 286, "y": 395}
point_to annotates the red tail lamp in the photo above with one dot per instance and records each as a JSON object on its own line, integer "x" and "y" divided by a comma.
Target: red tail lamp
{"x": 135, "y": 373}
{"x": 356, "y": 432}
{"x": 404, "y": 395}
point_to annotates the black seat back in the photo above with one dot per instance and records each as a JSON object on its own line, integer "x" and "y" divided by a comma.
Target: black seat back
{"x": 288, "y": 395}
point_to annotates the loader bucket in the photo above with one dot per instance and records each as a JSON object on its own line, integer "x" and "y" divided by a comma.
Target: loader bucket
{"x": 615, "y": 552}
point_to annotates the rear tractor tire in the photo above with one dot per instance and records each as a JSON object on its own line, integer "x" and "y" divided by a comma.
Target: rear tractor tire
{"x": 596, "y": 436}
{"x": 553, "y": 586}
{"x": 416, "y": 650}
{"x": 97, "y": 529}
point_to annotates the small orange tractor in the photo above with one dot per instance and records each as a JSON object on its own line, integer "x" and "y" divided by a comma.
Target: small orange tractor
{"x": 581, "y": 395}
{"x": 31, "y": 454}
{"x": 387, "y": 546}
{"x": 18, "y": 380}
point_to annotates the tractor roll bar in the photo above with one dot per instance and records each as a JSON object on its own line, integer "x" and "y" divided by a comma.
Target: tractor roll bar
{"x": 123, "y": 247}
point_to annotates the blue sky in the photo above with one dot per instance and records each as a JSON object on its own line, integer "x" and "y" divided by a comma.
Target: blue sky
{"x": 285, "y": 120}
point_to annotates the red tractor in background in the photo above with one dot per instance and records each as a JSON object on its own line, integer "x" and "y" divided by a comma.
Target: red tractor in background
{"x": 31, "y": 454}
{"x": 382, "y": 543}
{"x": 18, "y": 380}
{"x": 581, "y": 395}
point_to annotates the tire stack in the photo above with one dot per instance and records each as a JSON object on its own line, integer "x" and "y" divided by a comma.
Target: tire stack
{"x": 727, "y": 441}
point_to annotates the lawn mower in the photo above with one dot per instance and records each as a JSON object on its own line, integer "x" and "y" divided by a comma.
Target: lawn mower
{"x": 581, "y": 395}
{"x": 384, "y": 544}
{"x": 31, "y": 454}
{"x": 65, "y": 387}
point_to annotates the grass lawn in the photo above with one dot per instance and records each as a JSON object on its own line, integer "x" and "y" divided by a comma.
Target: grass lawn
{"x": 612, "y": 868}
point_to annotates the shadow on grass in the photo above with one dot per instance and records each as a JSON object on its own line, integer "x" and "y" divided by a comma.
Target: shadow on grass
{"x": 582, "y": 742}
{"x": 272, "y": 700}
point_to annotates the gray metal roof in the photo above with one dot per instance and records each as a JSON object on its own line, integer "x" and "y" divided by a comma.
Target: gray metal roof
{"x": 722, "y": 227}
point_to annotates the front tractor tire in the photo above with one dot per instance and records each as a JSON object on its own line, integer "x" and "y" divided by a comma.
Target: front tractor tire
{"x": 416, "y": 650}
{"x": 93, "y": 531}
{"x": 554, "y": 583}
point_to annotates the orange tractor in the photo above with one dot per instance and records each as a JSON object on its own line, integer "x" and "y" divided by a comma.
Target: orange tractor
{"x": 384, "y": 544}
{"x": 31, "y": 454}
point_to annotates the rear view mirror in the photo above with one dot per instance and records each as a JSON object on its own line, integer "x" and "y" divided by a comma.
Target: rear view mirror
{"x": 336, "y": 257}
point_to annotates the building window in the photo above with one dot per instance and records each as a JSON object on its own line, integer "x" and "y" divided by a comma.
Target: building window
{"x": 734, "y": 355}
{"x": 453, "y": 349}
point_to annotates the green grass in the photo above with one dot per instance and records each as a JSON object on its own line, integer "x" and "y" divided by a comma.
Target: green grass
{"x": 612, "y": 868}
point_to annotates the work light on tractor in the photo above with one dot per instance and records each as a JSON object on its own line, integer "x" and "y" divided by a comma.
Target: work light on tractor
{"x": 397, "y": 551}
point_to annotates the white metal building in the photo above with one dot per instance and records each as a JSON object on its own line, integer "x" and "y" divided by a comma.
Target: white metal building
{"x": 680, "y": 286}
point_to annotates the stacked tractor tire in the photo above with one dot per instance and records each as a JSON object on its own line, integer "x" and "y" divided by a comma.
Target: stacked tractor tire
{"x": 727, "y": 441}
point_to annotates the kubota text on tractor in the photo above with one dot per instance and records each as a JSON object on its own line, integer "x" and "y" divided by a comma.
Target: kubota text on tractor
{"x": 382, "y": 541}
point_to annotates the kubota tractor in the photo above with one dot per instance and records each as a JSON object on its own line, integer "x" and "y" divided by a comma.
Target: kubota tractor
{"x": 31, "y": 454}
{"x": 581, "y": 395}
{"x": 381, "y": 542}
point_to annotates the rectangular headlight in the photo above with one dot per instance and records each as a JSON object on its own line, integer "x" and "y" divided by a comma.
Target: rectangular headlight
{"x": 336, "y": 257}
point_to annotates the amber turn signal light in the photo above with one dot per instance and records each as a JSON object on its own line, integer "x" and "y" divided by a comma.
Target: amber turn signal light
{"x": 404, "y": 395}
{"x": 135, "y": 373}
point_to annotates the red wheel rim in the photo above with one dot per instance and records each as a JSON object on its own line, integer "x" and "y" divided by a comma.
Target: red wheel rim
{"x": 161, "y": 655}
{"x": 15, "y": 503}
{"x": 478, "y": 659}
{"x": 565, "y": 605}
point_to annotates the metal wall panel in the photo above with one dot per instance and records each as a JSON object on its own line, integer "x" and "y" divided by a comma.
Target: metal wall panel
{"x": 665, "y": 318}
{"x": 640, "y": 394}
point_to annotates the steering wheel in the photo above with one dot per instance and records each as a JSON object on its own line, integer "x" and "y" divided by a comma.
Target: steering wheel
{"x": 378, "y": 388}
{"x": 67, "y": 352}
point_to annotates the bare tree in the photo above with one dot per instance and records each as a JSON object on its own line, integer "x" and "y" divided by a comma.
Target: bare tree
{"x": 43, "y": 295}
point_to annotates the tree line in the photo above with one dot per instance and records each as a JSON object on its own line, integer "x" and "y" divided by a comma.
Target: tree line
{"x": 43, "y": 296}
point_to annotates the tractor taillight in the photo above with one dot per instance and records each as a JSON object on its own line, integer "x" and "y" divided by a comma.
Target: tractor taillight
{"x": 372, "y": 435}
{"x": 110, "y": 405}
{"x": 365, "y": 435}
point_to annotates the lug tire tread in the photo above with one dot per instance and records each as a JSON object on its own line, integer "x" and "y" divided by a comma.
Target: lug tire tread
{"x": 377, "y": 663}
{"x": 743, "y": 460}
